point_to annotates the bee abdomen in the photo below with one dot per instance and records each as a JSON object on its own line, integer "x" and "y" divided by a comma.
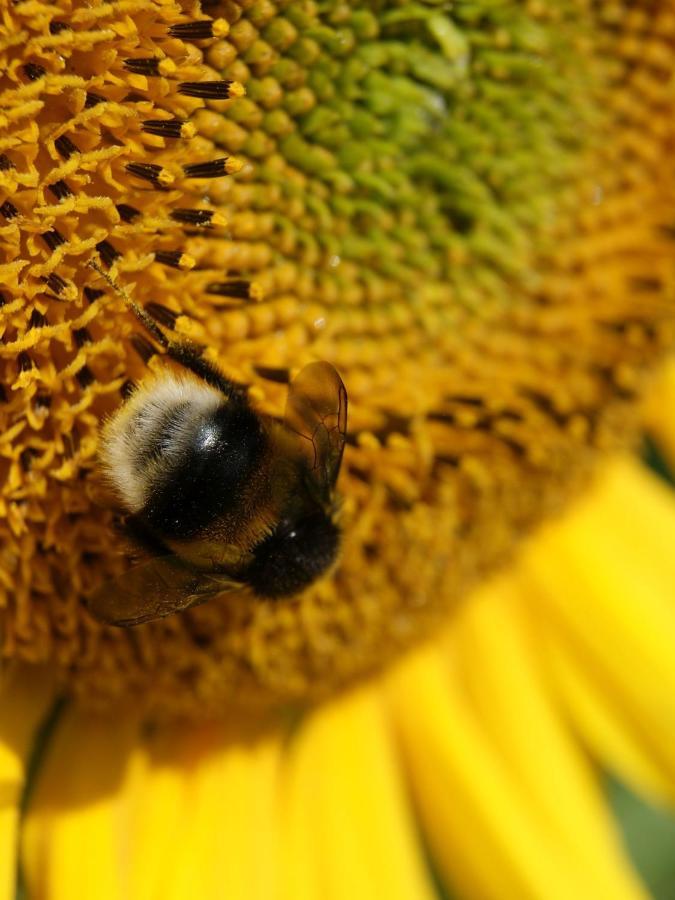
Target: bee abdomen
{"x": 293, "y": 556}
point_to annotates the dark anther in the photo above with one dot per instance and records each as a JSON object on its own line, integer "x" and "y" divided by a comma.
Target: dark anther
{"x": 55, "y": 283}
{"x": 162, "y": 314}
{"x": 166, "y": 128}
{"x": 508, "y": 415}
{"x": 81, "y": 336}
{"x": 448, "y": 459}
{"x": 60, "y": 189}
{"x": 270, "y": 373}
{"x": 202, "y": 30}
{"x": 107, "y": 252}
{"x": 648, "y": 283}
{"x": 216, "y": 168}
{"x": 192, "y": 216}
{"x": 92, "y": 294}
{"x": 53, "y": 239}
{"x": 6, "y": 163}
{"x": 43, "y": 401}
{"x": 8, "y": 210}
{"x": 27, "y": 456}
{"x": 240, "y": 289}
{"x": 127, "y": 213}
{"x": 147, "y": 171}
{"x": 148, "y": 65}
{"x": 24, "y": 362}
{"x": 143, "y": 347}
{"x": 33, "y": 71}
{"x": 92, "y": 99}
{"x": 37, "y": 319}
{"x": 56, "y": 27}
{"x": 169, "y": 258}
{"x": 2, "y": 300}
{"x": 206, "y": 90}
{"x": 466, "y": 399}
{"x": 85, "y": 376}
{"x": 65, "y": 147}
{"x": 71, "y": 443}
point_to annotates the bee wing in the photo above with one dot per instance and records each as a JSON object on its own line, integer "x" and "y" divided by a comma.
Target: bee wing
{"x": 316, "y": 410}
{"x": 152, "y": 590}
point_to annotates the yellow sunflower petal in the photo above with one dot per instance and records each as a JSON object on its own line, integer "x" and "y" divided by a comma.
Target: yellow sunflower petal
{"x": 25, "y": 696}
{"x": 508, "y": 695}
{"x": 659, "y": 410}
{"x": 605, "y": 579}
{"x": 157, "y": 789}
{"x": 348, "y": 821}
{"x": 300, "y": 844}
{"x": 184, "y": 812}
{"x": 602, "y": 721}
{"x": 75, "y": 838}
{"x": 225, "y": 842}
{"x": 483, "y": 830}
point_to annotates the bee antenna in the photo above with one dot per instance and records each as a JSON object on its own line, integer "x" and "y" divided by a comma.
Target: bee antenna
{"x": 136, "y": 309}
{"x": 185, "y": 353}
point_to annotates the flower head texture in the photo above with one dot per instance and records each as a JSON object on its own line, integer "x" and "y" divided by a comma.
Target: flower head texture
{"x": 468, "y": 209}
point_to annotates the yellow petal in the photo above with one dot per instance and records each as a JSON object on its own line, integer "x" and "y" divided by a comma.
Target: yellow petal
{"x": 507, "y": 692}
{"x": 633, "y": 510}
{"x": 300, "y": 841}
{"x": 603, "y": 580}
{"x": 347, "y": 818}
{"x": 75, "y": 839}
{"x": 157, "y": 815}
{"x": 481, "y": 824}
{"x": 26, "y": 694}
{"x": 601, "y": 721}
{"x": 225, "y": 841}
{"x": 185, "y": 811}
{"x": 659, "y": 410}
{"x": 632, "y": 517}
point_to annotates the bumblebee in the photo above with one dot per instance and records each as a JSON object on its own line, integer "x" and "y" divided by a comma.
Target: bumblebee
{"x": 220, "y": 496}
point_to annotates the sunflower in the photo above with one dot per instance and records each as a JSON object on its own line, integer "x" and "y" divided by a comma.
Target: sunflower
{"x": 469, "y": 210}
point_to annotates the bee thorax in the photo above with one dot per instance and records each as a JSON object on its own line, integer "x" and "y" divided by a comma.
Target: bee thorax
{"x": 181, "y": 455}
